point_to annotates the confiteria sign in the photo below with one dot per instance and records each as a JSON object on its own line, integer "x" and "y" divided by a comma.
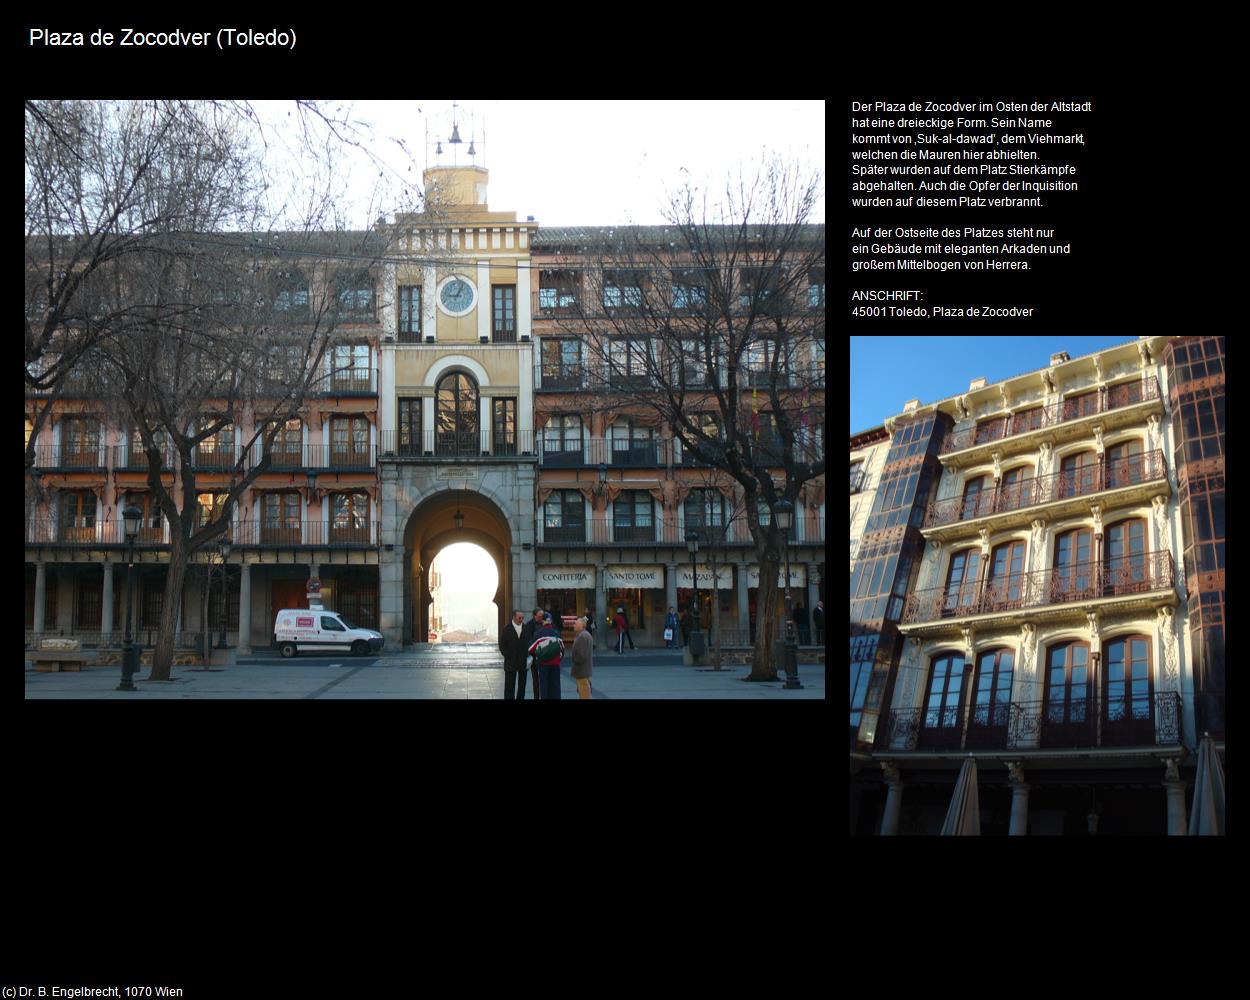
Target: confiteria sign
{"x": 565, "y": 577}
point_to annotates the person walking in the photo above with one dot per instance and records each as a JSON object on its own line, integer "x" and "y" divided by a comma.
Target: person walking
{"x": 514, "y": 654}
{"x": 685, "y": 626}
{"x": 590, "y": 621}
{"x": 670, "y": 628}
{"x": 547, "y": 650}
{"x": 527, "y": 638}
{"x": 818, "y": 620}
{"x": 583, "y": 656}
{"x": 800, "y": 621}
{"x": 627, "y": 635}
{"x": 621, "y": 625}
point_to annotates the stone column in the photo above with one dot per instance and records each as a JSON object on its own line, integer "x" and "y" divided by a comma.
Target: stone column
{"x": 670, "y": 595}
{"x": 744, "y": 602}
{"x": 1019, "y": 800}
{"x": 813, "y": 595}
{"x": 41, "y": 588}
{"x": 893, "y": 801}
{"x": 245, "y": 609}
{"x": 106, "y": 606}
{"x": 1178, "y": 826}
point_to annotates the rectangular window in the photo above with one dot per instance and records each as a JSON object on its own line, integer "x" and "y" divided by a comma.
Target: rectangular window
{"x": 410, "y": 426}
{"x": 280, "y": 518}
{"x": 564, "y": 517}
{"x": 349, "y": 442}
{"x": 631, "y": 517}
{"x": 628, "y": 362}
{"x": 504, "y": 439}
{"x": 350, "y": 372}
{"x": 409, "y": 314}
{"x": 688, "y": 290}
{"x": 503, "y": 314}
{"x": 693, "y": 368}
{"x": 80, "y": 443}
{"x": 622, "y": 289}
{"x": 211, "y": 507}
{"x": 704, "y": 508}
{"x": 286, "y": 452}
{"x": 561, "y": 363}
{"x": 349, "y": 518}
{"x": 558, "y": 289}
{"x": 217, "y": 450}
{"x": 816, "y": 288}
{"x": 562, "y": 440}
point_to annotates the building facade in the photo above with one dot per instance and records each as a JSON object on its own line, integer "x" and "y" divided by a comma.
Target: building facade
{"x": 1049, "y": 624}
{"x": 453, "y": 408}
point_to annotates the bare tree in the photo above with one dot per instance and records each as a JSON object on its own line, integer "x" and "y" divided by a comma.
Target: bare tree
{"x": 208, "y": 322}
{"x": 716, "y": 323}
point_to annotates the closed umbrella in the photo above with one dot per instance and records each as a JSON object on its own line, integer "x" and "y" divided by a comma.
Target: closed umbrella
{"x": 963, "y": 818}
{"x": 1207, "y": 816}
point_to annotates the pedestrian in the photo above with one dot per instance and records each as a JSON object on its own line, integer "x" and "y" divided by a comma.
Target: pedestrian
{"x": 685, "y": 626}
{"x": 621, "y": 626}
{"x": 583, "y": 656}
{"x": 527, "y": 638}
{"x": 547, "y": 650}
{"x": 670, "y": 628}
{"x": 590, "y": 621}
{"x": 800, "y": 620}
{"x": 818, "y": 620}
{"x": 514, "y": 653}
{"x": 627, "y": 635}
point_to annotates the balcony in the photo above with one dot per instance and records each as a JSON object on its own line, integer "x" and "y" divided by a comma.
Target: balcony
{"x": 1144, "y": 581}
{"x": 1062, "y": 421}
{"x": 73, "y": 459}
{"x": 359, "y": 534}
{"x": 562, "y": 377}
{"x": 455, "y": 446}
{"x": 1037, "y": 725}
{"x": 91, "y": 532}
{"x": 601, "y": 531}
{"x": 348, "y": 382}
{"x": 617, "y": 454}
{"x": 136, "y": 460}
{"x": 1129, "y": 480}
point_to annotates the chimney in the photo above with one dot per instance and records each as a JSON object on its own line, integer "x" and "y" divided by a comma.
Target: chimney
{"x": 978, "y": 383}
{"x": 1060, "y": 358}
{"x": 910, "y": 405}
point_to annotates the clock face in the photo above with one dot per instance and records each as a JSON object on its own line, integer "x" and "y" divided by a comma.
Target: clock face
{"x": 457, "y": 296}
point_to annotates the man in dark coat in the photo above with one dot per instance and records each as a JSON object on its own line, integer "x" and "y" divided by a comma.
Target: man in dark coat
{"x": 800, "y": 621}
{"x": 818, "y": 620}
{"x": 528, "y": 632}
{"x": 513, "y": 658}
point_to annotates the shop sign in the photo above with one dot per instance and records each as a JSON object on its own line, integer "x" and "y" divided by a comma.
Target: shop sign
{"x": 566, "y": 577}
{"x": 645, "y": 577}
{"x": 724, "y": 577}
{"x": 798, "y": 576}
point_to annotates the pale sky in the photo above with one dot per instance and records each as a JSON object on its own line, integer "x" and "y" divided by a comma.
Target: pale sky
{"x": 469, "y": 580}
{"x": 591, "y": 163}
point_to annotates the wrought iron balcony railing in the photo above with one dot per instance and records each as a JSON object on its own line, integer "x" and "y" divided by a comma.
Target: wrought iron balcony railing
{"x": 318, "y": 456}
{"x": 1060, "y": 585}
{"x": 1100, "y": 401}
{"x": 602, "y": 531}
{"x": 857, "y": 484}
{"x": 443, "y": 446}
{"x": 87, "y": 456}
{"x": 1027, "y": 725}
{"x": 1131, "y": 471}
{"x": 91, "y": 531}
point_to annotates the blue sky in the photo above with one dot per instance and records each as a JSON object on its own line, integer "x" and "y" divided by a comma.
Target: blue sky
{"x": 888, "y": 371}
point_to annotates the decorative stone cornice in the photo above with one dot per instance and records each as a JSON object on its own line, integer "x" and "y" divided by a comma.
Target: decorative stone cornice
{"x": 1015, "y": 771}
{"x": 893, "y": 775}
{"x": 1143, "y": 351}
{"x": 1093, "y": 620}
{"x": 1172, "y": 772}
{"x": 1096, "y": 511}
{"x": 970, "y": 637}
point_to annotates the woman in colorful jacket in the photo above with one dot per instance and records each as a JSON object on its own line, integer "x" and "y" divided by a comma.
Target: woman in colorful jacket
{"x": 549, "y": 664}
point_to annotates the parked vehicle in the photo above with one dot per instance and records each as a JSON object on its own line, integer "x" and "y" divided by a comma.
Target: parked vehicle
{"x": 314, "y": 631}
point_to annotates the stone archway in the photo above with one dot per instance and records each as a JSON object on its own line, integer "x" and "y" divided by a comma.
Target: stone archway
{"x": 431, "y": 528}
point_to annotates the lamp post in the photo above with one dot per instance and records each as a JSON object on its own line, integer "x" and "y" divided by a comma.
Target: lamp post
{"x": 224, "y": 548}
{"x": 696, "y": 637}
{"x": 784, "y": 512}
{"x": 132, "y": 516}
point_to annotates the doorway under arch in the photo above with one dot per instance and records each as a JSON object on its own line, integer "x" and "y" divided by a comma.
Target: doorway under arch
{"x": 432, "y": 527}
{"x": 462, "y": 581}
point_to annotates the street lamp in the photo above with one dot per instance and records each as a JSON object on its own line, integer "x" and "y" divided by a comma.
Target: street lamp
{"x": 224, "y": 548}
{"x": 132, "y": 517}
{"x": 696, "y": 637}
{"x": 784, "y": 512}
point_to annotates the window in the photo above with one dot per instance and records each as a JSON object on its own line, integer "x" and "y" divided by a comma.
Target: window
{"x": 756, "y": 287}
{"x": 628, "y": 361}
{"x": 503, "y": 314}
{"x": 349, "y": 514}
{"x": 78, "y": 513}
{"x": 1127, "y": 571}
{"x": 816, "y": 288}
{"x": 1072, "y": 578}
{"x": 1083, "y": 405}
{"x": 350, "y": 372}
{"x": 212, "y": 506}
{"x": 761, "y": 357}
{"x": 286, "y": 452}
{"x": 89, "y": 594}
{"x": 329, "y": 624}
{"x": 1005, "y": 581}
{"x": 456, "y": 416}
{"x": 217, "y": 450}
{"x": 1078, "y": 474}
{"x": 768, "y": 446}
{"x": 688, "y": 290}
{"x": 632, "y": 445}
{"x": 704, "y": 508}
{"x": 151, "y": 528}
{"x": 707, "y": 424}
{"x": 990, "y": 430}
{"x": 1027, "y": 420}
{"x": 410, "y": 426}
{"x": 561, "y": 364}
{"x": 1016, "y": 489}
{"x": 976, "y": 499}
{"x": 631, "y": 517}
{"x": 857, "y": 479}
{"x": 562, "y": 440}
{"x": 558, "y": 289}
{"x": 693, "y": 370}
{"x": 861, "y": 673}
{"x": 80, "y": 443}
{"x": 564, "y": 517}
{"x": 1128, "y": 691}
{"x": 356, "y": 297}
{"x": 942, "y": 722}
{"x": 818, "y": 364}
{"x": 961, "y": 583}
{"x": 349, "y": 442}
{"x": 289, "y": 292}
{"x": 30, "y": 429}
{"x": 1125, "y": 465}
{"x": 409, "y": 314}
{"x": 622, "y": 289}
{"x": 765, "y": 516}
{"x": 280, "y": 518}
{"x": 503, "y": 440}
{"x": 991, "y": 700}
{"x": 1067, "y": 720}
{"x": 152, "y": 603}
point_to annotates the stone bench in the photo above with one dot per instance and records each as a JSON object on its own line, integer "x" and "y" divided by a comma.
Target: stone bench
{"x": 55, "y": 655}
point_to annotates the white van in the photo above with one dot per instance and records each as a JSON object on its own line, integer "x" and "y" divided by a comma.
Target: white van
{"x": 321, "y": 631}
